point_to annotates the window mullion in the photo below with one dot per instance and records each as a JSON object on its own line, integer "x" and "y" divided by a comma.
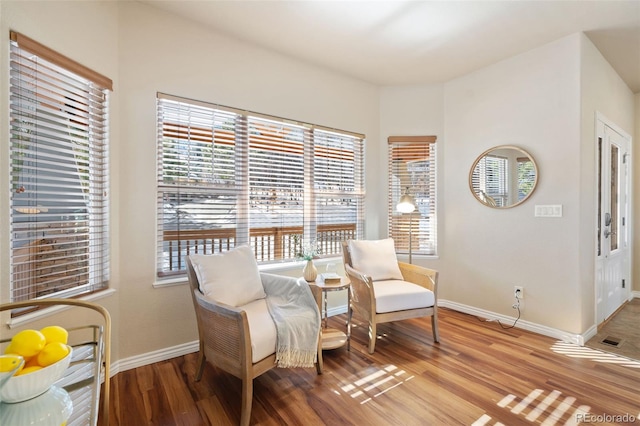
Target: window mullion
{"x": 309, "y": 213}
{"x": 242, "y": 180}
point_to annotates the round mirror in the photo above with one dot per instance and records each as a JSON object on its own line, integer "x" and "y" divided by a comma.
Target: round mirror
{"x": 503, "y": 177}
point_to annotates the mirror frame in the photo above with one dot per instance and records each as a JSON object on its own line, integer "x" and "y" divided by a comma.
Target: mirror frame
{"x": 500, "y": 147}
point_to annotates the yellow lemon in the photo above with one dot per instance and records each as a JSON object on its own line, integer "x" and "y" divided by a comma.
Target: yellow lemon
{"x": 9, "y": 350}
{"x": 55, "y": 333}
{"x": 27, "y": 343}
{"x": 9, "y": 362}
{"x": 32, "y": 362}
{"x": 28, "y": 370}
{"x": 52, "y": 353}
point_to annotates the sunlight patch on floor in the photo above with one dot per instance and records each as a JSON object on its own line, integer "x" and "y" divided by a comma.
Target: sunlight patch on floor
{"x": 575, "y": 351}
{"x": 375, "y": 384}
{"x": 536, "y": 408}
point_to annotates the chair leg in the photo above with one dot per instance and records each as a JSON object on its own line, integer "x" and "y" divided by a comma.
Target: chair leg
{"x": 201, "y": 362}
{"x": 350, "y": 317}
{"x": 319, "y": 360}
{"x": 434, "y": 327}
{"x": 247, "y": 399}
{"x": 372, "y": 336}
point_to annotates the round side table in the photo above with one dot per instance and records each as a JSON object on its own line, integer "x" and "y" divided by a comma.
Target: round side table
{"x": 333, "y": 338}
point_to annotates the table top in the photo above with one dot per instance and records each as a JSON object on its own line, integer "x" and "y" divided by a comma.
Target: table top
{"x": 343, "y": 284}
{"x": 80, "y": 385}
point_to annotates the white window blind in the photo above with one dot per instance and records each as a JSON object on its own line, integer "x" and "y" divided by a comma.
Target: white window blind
{"x": 228, "y": 177}
{"x": 338, "y": 175}
{"x": 59, "y": 174}
{"x": 412, "y": 167}
{"x": 490, "y": 179}
{"x": 276, "y": 188}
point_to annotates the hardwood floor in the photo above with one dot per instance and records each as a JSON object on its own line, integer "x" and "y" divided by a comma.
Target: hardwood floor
{"x": 478, "y": 374}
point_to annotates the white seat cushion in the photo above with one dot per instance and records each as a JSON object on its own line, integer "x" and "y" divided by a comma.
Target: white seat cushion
{"x": 398, "y": 295}
{"x": 262, "y": 329}
{"x": 230, "y": 277}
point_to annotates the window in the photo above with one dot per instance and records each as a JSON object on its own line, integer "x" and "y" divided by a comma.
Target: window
{"x": 59, "y": 174}
{"x": 412, "y": 167}
{"x": 228, "y": 177}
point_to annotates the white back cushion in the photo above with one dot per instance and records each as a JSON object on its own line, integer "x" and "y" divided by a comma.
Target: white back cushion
{"x": 375, "y": 258}
{"x": 231, "y": 277}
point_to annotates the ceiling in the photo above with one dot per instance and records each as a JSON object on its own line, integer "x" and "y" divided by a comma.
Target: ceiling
{"x": 412, "y": 42}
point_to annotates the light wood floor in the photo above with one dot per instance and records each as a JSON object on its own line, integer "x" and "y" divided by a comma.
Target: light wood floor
{"x": 478, "y": 374}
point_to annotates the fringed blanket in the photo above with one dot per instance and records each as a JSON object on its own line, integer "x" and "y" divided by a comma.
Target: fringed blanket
{"x": 297, "y": 318}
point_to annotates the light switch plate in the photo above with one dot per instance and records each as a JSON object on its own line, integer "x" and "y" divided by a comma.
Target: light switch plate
{"x": 550, "y": 210}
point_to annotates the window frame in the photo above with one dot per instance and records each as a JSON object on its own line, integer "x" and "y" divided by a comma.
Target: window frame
{"x": 259, "y": 142}
{"x": 59, "y": 151}
{"x": 422, "y": 224}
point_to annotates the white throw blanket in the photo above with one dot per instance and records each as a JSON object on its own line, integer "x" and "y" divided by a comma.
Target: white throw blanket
{"x": 297, "y": 318}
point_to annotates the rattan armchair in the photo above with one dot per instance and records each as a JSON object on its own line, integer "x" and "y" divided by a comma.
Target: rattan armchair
{"x": 363, "y": 298}
{"x": 225, "y": 342}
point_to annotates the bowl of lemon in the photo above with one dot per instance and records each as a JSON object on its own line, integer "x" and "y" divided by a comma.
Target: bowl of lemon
{"x": 46, "y": 356}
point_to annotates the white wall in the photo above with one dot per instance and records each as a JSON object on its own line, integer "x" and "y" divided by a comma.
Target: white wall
{"x": 543, "y": 101}
{"x": 86, "y": 32}
{"x": 145, "y": 50}
{"x": 415, "y": 110}
{"x": 532, "y": 101}
{"x": 160, "y": 52}
{"x": 602, "y": 91}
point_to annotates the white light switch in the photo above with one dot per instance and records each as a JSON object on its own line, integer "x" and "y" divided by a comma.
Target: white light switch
{"x": 552, "y": 210}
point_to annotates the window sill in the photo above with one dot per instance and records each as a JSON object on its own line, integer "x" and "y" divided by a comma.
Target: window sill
{"x": 33, "y": 316}
{"x": 273, "y": 268}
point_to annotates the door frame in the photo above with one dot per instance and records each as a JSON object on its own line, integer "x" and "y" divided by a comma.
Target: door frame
{"x": 600, "y": 123}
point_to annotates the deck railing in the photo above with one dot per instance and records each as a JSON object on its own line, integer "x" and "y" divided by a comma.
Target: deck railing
{"x": 269, "y": 244}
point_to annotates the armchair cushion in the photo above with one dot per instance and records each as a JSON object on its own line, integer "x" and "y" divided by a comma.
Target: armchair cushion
{"x": 376, "y": 258}
{"x": 231, "y": 277}
{"x": 398, "y": 295}
{"x": 261, "y": 328}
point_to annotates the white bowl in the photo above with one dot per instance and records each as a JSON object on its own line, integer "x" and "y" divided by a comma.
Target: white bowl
{"x": 6, "y": 375}
{"x": 27, "y": 386}
{"x": 54, "y": 407}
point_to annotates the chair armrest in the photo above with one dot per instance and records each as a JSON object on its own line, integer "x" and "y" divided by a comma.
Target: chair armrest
{"x": 362, "y": 291}
{"x": 424, "y": 277}
{"x": 223, "y": 329}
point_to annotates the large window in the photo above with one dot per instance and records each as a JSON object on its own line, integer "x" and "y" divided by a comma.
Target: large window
{"x": 228, "y": 177}
{"x": 412, "y": 170}
{"x": 59, "y": 169}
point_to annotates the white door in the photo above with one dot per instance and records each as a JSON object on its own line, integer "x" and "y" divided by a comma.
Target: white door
{"x": 612, "y": 237}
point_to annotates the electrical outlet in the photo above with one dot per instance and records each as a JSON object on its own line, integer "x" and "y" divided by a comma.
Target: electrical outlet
{"x": 518, "y": 292}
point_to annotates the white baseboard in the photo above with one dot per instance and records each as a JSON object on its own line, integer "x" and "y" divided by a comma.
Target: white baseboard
{"x": 578, "y": 339}
{"x": 155, "y": 356}
{"x": 187, "y": 348}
